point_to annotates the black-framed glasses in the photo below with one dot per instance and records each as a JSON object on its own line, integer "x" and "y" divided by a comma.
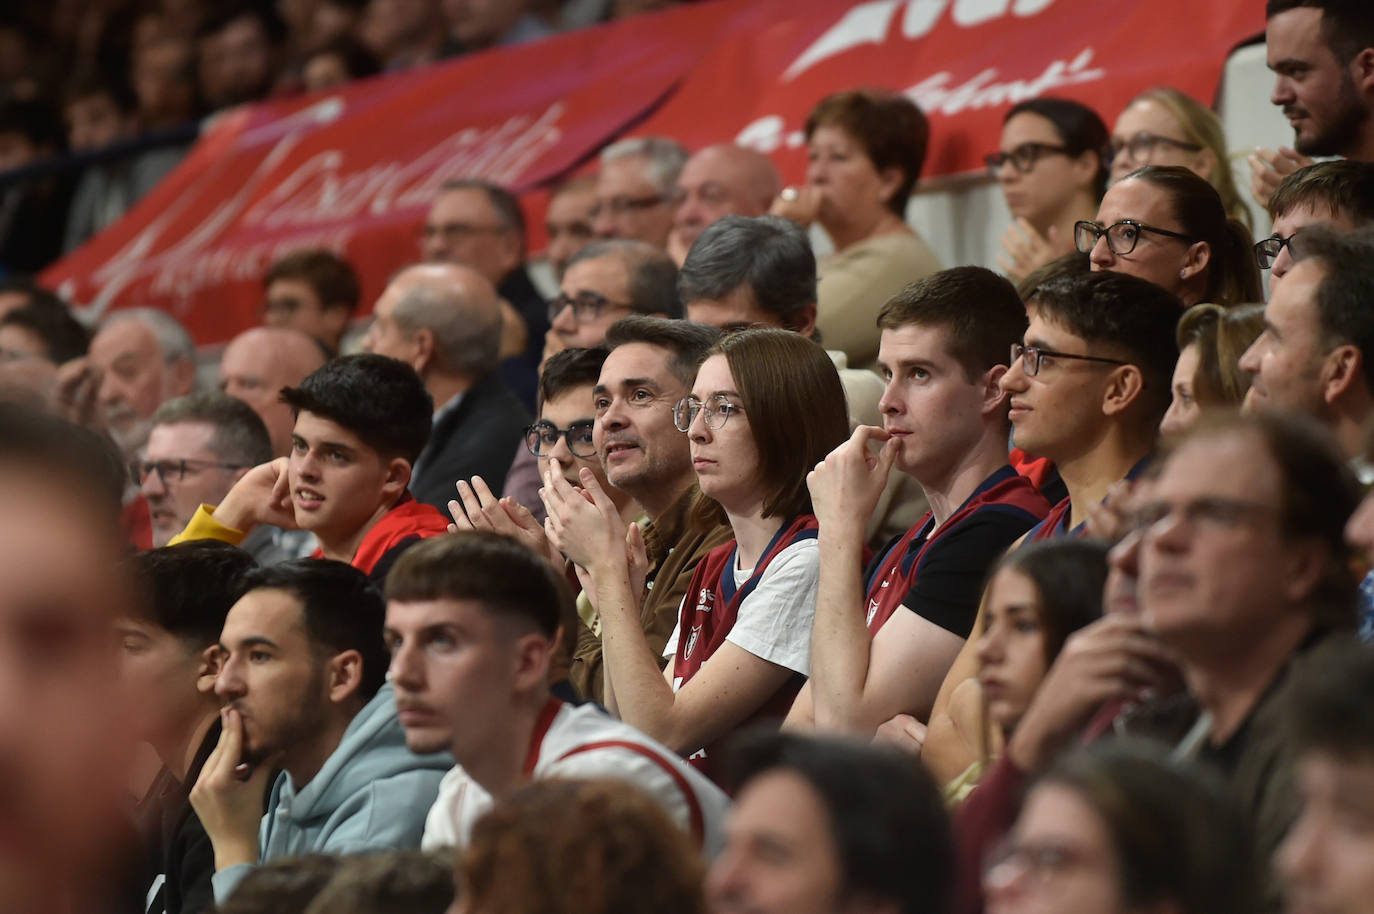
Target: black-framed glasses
{"x": 586, "y": 305}
{"x": 1023, "y": 157}
{"x": 542, "y": 437}
{"x": 1031, "y": 357}
{"x": 1267, "y": 250}
{"x": 1141, "y": 147}
{"x": 716, "y": 411}
{"x": 174, "y": 470}
{"x": 1122, "y": 236}
{"x": 619, "y": 206}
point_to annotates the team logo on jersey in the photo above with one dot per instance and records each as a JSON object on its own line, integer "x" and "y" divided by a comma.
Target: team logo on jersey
{"x": 692, "y": 637}
{"x": 704, "y": 600}
{"x": 872, "y": 610}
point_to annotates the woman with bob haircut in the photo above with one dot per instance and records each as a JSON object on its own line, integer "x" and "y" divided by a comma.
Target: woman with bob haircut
{"x": 1211, "y": 340}
{"x": 865, "y": 150}
{"x": 1167, "y": 225}
{"x": 579, "y": 847}
{"x": 1163, "y": 126}
{"x": 766, "y": 407}
{"x": 1119, "y": 828}
{"x": 1052, "y": 167}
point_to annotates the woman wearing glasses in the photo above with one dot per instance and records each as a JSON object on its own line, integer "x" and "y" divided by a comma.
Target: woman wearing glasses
{"x": 1053, "y": 171}
{"x": 1120, "y": 828}
{"x": 766, "y": 407}
{"x": 1167, "y": 225}
{"x": 865, "y": 150}
{"x": 1162, "y": 126}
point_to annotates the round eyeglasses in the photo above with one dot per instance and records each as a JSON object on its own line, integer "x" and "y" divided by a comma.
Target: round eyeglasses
{"x": 715, "y": 411}
{"x": 542, "y": 437}
{"x": 1267, "y": 250}
{"x": 1122, "y": 236}
{"x": 1140, "y": 148}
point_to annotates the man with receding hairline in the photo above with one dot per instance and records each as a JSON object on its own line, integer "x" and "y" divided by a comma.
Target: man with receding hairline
{"x": 258, "y": 363}
{"x": 444, "y": 320}
{"x": 720, "y": 180}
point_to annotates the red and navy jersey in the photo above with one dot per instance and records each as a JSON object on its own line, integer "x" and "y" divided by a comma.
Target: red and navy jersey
{"x": 711, "y": 607}
{"x": 408, "y": 522}
{"x": 1056, "y": 523}
{"x": 1005, "y": 492}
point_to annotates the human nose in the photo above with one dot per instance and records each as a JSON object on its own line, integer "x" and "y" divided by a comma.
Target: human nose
{"x": 151, "y": 482}
{"x": 1102, "y": 254}
{"x": 1250, "y": 359}
{"x": 1283, "y": 262}
{"x": 988, "y": 650}
{"x": 728, "y": 877}
{"x": 1005, "y": 881}
{"x": 1283, "y": 91}
{"x": 564, "y": 319}
{"x": 889, "y": 403}
{"x": 604, "y": 223}
{"x": 229, "y": 684}
{"x": 404, "y": 670}
{"x": 697, "y": 429}
{"x": 1125, "y": 555}
{"x": 560, "y": 450}
{"x": 1014, "y": 379}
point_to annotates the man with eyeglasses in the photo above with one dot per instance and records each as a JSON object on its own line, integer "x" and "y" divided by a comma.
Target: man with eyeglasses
{"x": 199, "y": 447}
{"x": 637, "y": 191}
{"x": 1089, "y": 384}
{"x": 604, "y": 281}
{"x": 564, "y": 432}
{"x": 313, "y": 291}
{"x": 1245, "y": 576}
{"x": 478, "y": 224}
{"x": 1336, "y": 194}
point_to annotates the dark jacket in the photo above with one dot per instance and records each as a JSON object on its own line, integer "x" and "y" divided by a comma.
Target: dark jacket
{"x": 188, "y": 859}
{"x": 521, "y": 372}
{"x": 478, "y": 438}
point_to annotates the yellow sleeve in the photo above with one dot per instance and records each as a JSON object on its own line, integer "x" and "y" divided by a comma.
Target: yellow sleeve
{"x": 203, "y": 526}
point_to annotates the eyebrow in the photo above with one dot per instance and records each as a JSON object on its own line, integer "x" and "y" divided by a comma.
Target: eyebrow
{"x": 251, "y": 641}
{"x": 909, "y": 363}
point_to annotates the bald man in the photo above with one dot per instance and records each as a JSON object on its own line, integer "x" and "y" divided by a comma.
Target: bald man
{"x": 721, "y": 180}
{"x": 444, "y": 320}
{"x": 258, "y": 363}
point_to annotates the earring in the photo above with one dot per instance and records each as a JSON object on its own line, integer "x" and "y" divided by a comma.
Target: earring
{"x": 1182, "y": 274}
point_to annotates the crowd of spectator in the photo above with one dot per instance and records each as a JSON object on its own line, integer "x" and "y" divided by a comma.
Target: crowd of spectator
{"x": 733, "y": 578}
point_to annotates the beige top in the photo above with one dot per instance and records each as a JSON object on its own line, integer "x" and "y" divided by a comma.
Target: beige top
{"x": 855, "y": 284}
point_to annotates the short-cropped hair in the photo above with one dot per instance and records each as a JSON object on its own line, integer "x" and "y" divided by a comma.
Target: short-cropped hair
{"x": 1134, "y": 317}
{"x": 687, "y": 343}
{"x": 504, "y": 202}
{"x": 1339, "y": 188}
{"x": 885, "y": 815}
{"x": 172, "y": 339}
{"x": 981, "y": 309}
{"x": 507, "y": 579}
{"x": 892, "y": 130}
{"x": 240, "y": 436}
{"x": 330, "y": 277}
{"x": 665, "y": 158}
{"x": 650, "y": 274}
{"x": 570, "y": 369}
{"x": 1346, "y": 291}
{"x": 341, "y": 609}
{"x": 768, "y": 255}
{"x": 381, "y": 400}
{"x": 188, "y": 588}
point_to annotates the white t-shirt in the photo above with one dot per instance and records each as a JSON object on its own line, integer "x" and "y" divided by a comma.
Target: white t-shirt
{"x": 774, "y": 622}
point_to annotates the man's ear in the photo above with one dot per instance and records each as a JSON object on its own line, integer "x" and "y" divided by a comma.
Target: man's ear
{"x": 345, "y": 675}
{"x": 1362, "y": 71}
{"x": 533, "y": 653}
{"x": 1124, "y": 387}
{"x": 423, "y": 341}
{"x": 994, "y": 397}
{"x": 397, "y": 478}
{"x": 1307, "y": 564}
{"x": 181, "y": 377}
{"x": 805, "y": 321}
{"x": 1342, "y": 368}
{"x": 211, "y": 659}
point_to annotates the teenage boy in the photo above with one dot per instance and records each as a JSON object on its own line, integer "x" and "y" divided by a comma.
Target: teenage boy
{"x": 944, "y": 424}
{"x": 361, "y": 421}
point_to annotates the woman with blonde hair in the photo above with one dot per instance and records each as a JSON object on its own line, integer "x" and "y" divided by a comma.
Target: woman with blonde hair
{"x": 1163, "y": 126}
{"x": 1211, "y": 340}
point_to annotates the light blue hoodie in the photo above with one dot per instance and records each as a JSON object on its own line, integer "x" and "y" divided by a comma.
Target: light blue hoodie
{"x": 372, "y": 794}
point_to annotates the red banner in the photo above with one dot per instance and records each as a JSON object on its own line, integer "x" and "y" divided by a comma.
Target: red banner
{"x": 355, "y": 170}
